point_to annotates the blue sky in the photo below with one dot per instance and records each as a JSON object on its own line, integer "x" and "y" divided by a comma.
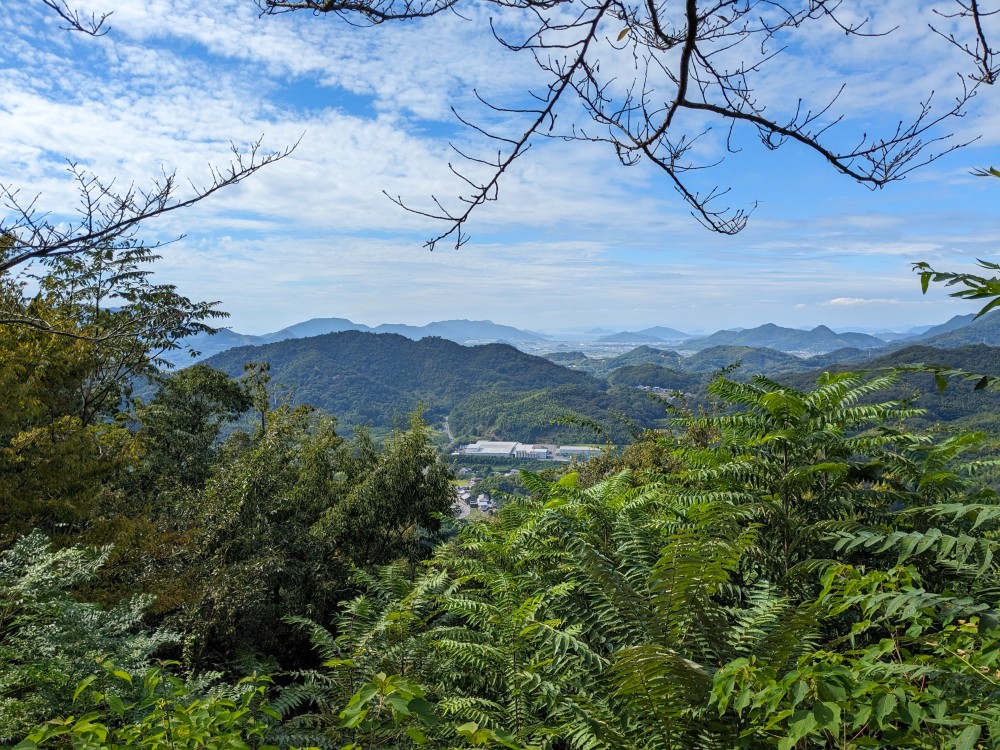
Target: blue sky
{"x": 576, "y": 240}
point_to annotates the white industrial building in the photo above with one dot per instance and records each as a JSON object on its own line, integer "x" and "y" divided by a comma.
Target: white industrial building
{"x": 566, "y": 452}
{"x": 506, "y": 449}
{"x": 491, "y": 448}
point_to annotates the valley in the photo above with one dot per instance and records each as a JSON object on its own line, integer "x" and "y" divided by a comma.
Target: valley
{"x": 499, "y": 391}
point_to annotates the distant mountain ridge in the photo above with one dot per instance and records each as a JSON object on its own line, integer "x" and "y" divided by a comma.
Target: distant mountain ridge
{"x": 459, "y": 331}
{"x": 770, "y": 336}
{"x": 378, "y": 379}
{"x": 962, "y": 330}
{"x": 656, "y": 334}
{"x": 959, "y": 331}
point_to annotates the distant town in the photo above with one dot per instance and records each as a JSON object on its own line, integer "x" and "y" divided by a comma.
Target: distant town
{"x": 528, "y": 451}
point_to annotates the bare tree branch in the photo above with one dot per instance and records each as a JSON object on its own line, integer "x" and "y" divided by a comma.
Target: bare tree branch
{"x": 94, "y": 26}
{"x": 982, "y": 54}
{"x": 373, "y": 12}
{"x": 107, "y": 214}
{"x": 700, "y": 58}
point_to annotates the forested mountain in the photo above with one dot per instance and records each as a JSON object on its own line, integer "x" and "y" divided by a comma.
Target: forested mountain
{"x": 751, "y": 359}
{"x": 498, "y": 391}
{"x": 819, "y": 339}
{"x": 952, "y": 324}
{"x": 462, "y": 331}
{"x": 603, "y": 366}
{"x": 563, "y": 414}
{"x": 376, "y": 379}
{"x": 654, "y": 376}
{"x": 667, "y": 334}
{"x": 959, "y": 402}
{"x": 984, "y": 330}
{"x": 459, "y": 331}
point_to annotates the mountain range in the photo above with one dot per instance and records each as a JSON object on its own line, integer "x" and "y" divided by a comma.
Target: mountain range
{"x": 820, "y": 339}
{"x": 459, "y": 331}
{"x": 498, "y": 391}
{"x": 961, "y": 330}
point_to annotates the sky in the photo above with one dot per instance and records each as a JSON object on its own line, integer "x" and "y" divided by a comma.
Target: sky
{"x": 575, "y": 240}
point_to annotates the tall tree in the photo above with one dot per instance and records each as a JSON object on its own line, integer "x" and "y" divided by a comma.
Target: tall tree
{"x": 61, "y": 435}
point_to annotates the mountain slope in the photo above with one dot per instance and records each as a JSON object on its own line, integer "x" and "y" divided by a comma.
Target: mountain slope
{"x": 377, "y": 379}
{"x": 820, "y": 339}
{"x": 984, "y": 330}
{"x": 667, "y": 334}
{"x": 956, "y": 322}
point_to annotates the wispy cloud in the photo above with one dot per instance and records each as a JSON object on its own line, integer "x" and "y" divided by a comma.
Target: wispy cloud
{"x": 575, "y": 237}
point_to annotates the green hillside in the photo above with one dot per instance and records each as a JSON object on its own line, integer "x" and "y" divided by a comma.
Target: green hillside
{"x": 959, "y": 403}
{"x": 377, "y": 379}
{"x": 984, "y": 330}
{"x": 654, "y": 376}
{"x": 541, "y": 416}
{"x": 819, "y": 339}
{"x": 752, "y": 360}
{"x": 601, "y": 367}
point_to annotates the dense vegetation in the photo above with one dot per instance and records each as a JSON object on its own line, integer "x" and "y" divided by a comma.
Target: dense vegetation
{"x": 214, "y": 565}
{"x": 492, "y": 390}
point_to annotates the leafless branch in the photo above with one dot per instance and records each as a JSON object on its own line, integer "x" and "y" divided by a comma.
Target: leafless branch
{"x": 695, "y": 61}
{"x": 984, "y": 56}
{"x": 94, "y": 26}
{"x": 373, "y": 12}
{"x": 107, "y": 214}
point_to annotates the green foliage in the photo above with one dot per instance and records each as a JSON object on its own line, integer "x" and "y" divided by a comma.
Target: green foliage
{"x": 48, "y": 639}
{"x": 52, "y": 464}
{"x": 290, "y": 513}
{"x": 377, "y": 380}
{"x": 555, "y": 415}
{"x": 166, "y": 714}
{"x": 389, "y": 501}
{"x": 654, "y": 376}
{"x": 918, "y": 674}
{"x": 602, "y": 367}
{"x": 808, "y": 573}
{"x": 975, "y": 287}
{"x": 179, "y": 428}
{"x": 69, "y": 356}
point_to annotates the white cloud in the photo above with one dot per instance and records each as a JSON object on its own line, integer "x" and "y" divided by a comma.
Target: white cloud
{"x": 575, "y": 238}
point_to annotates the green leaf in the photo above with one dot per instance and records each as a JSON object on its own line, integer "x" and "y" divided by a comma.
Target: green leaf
{"x": 424, "y": 710}
{"x": 268, "y": 711}
{"x": 966, "y": 740}
{"x": 123, "y": 675}
{"x": 828, "y": 716}
{"x": 115, "y": 704}
{"x": 883, "y": 705}
{"x": 416, "y": 735}
{"x": 399, "y": 704}
{"x": 83, "y": 686}
{"x": 802, "y": 725}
